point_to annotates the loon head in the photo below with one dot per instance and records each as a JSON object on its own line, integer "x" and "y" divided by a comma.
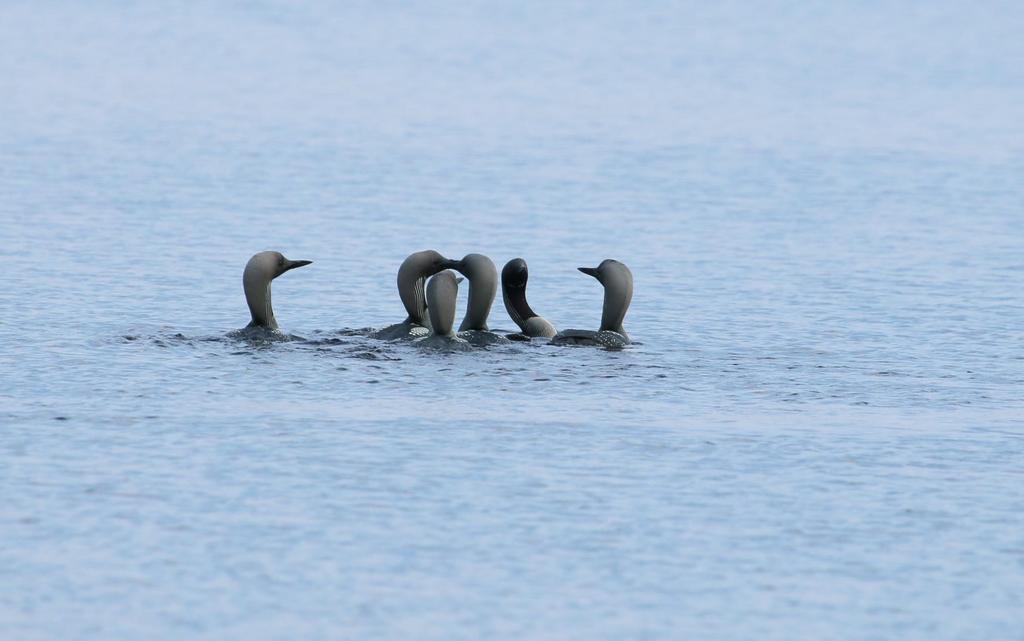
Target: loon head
{"x": 515, "y": 274}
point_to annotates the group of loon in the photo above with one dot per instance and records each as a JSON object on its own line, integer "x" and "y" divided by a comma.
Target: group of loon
{"x": 431, "y": 308}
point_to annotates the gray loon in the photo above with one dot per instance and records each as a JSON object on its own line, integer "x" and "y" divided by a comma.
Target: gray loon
{"x": 618, "y": 292}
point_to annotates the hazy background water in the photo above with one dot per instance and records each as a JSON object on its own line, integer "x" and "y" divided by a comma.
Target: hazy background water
{"x": 817, "y": 436}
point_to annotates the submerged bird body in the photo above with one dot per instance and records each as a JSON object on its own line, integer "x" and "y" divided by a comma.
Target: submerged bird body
{"x": 441, "y": 293}
{"x": 600, "y": 338}
{"x": 513, "y": 292}
{"x": 481, "y": 338}
{"x": 618, "y": 293}
{"x": 411, "y": 276}
{"x": 483, "y": 284}
{"x": 261, "y": 269}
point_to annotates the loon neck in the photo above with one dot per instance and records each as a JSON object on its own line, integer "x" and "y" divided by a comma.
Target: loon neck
{"x": 412, "y": 275}
{"x": 617, "y": 296}
{"x": 516, "y": 306}
{"x": 442, "y": 291}
{"x": 481, "y": 297}
{"x": 257, "y": 295}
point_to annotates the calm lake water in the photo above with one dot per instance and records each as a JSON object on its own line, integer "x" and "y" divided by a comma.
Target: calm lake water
{"x": 819, "y": 433}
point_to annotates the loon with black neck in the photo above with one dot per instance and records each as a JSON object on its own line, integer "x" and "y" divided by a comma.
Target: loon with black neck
{"x": 513, "y": 292}
{"x": 483, "y": 284}
{"x": 261, "y": 269}
{"x": 618, "y": 292}
{"x": 411, "y": 276}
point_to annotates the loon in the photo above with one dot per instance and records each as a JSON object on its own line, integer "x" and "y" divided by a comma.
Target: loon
{"x": 259, "y": 271}
{"x": 513, "y": 291}
{"x": 442, "y": 291}
{"x": 414, "y": 271}
{"x": 483, "y": 283}
{"x": 618, "y": 292}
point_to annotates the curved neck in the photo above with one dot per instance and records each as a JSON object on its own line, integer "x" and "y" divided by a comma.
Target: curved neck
{"x": 481, "y": 296}
{"x": 516, "y": 306}
{"x": 414, "y": 301}
{"x": 257, "y": 295}
{"x": 411, "y": 277}
{"x": 617, "y": 296}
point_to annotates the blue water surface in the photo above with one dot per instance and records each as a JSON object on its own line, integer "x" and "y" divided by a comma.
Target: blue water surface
{"x": 818, "y": 434}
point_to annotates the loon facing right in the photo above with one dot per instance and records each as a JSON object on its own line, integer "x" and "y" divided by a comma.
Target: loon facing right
{"x": 259, "y": 272}
{"x": 618, "y": 292}
{"x": 513, "y": 291}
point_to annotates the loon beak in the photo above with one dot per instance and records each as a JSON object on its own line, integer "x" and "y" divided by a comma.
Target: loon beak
{"x": 451, "y": 264}
{"x": 292, "y": 264}
{"x": 590, "y": 271}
